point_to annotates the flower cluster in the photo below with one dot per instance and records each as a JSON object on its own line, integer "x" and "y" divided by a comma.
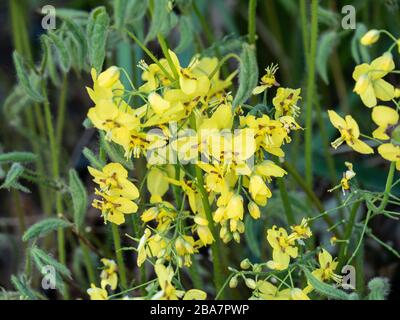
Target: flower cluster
{"x": 284, "y": 247}
{"x": 371, "y": 87}
{"x": 215, "y": 157}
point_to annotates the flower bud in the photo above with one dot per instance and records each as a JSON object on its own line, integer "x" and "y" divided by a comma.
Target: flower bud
{"x": 245, "y": 264}
{"x": 109, "y": 77}
{"x": 250, "y": 283}
{"x": 370, "y": 37}
{"x": 233, "y": 282}
{"x": 254, "y": 210}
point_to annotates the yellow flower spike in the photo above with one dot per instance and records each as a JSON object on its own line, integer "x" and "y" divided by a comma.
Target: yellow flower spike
{"x": 370, "y": 37}
{"x": 384, "y": 117}
{"x": 369, "y": 83}
{"x": 349, "y": 133}
{"x": 109, "y": 77}
{"x": 109, "y": 276}
{"x": 390, "y": 152}
{"x": 254, "y": 210}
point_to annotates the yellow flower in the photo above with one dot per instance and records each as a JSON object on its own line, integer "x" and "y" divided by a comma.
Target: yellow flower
{"x": 165, "y": 276}
{"x": 157, "y": 184}
{"x": 195, "y": 294}
{"x": 114, "y": 208}
{"x": 370, "y": 37}
{"x": 106, "y": 86}
{"x": 108, "y": 117}
{"x": 109, "y": 276}
{"x": 349, "y": 133}
{"x": 268, "y": 80}
{"x": 369, "y": 82}
{"x": 285, "y": 102}
{"x": 254, "y": 210}
{"x": 390, "y": 152}
{"x": 385, "y": 118}
{"x": 283, "y": 248}
{"x": 259, "y": 191}
{"x": 301, "y": 231}
{"x": 267, "y": 291}
{"x": 141, "y": 249}
{"x": 97, "y": 293}
{"x": 185, "y": 247}
{"x": 326, "y": 271}
{"x": 113, "y": 179}
{"x": 347, "y": 176}
{"x": 203, "y": 231}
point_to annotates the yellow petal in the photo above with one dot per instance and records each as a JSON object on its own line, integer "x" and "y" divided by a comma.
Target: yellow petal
{"x": 336, "y": 120}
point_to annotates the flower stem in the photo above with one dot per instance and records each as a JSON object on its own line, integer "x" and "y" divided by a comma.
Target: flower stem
{"x": 252, "y": 21}
{"x": 286, "y": 201}
{"x": 310, "y": 55}
{"x": 119, "y": 256}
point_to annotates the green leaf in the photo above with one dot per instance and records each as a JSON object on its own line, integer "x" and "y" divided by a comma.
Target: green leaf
{"x": 17, "y": 156}
{"x": 163, "y": 20}
{"x": 120, "y": 10}
{"x": 186, "y": 32}
{"x": 42, "y": 259}
{"x": 328, "y": 17}
{"x": 16, "y": 101}
{"x": 78, "y": 38}
{"x": 94, "y": 161}
{"x": 324, "y": 288}
{"x": 79, "y": 198}
{"x": 248, "y": 74}
{"x": 21, "y": 285}
{"x": 44, "y": 227}
{"x": 115, "y": 152}
{"x": 96, "y": 32}
{"x": 23, "y": 78}
{"x": 326, "y": 44}
{"x": 13, "y": 174}
{"x": 62, "y": 51}
{"x": 227, "y": 44}
{"x": 49, "y": 62}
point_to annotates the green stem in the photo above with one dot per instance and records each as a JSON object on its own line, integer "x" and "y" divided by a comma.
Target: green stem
{"x": 119, "y": 256}
{"x": 310, "y": 91}
{"x": 88, "y": 262}
{"x": 252, "y": 21}
{"x": 310, "y": 195}
{"x": 164, "y": 48}
{"x": 347, "y": 233}
{"x": 62, "y": 103}
{"x": 388, "y": 187}
{"x": 286, "y": 201}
